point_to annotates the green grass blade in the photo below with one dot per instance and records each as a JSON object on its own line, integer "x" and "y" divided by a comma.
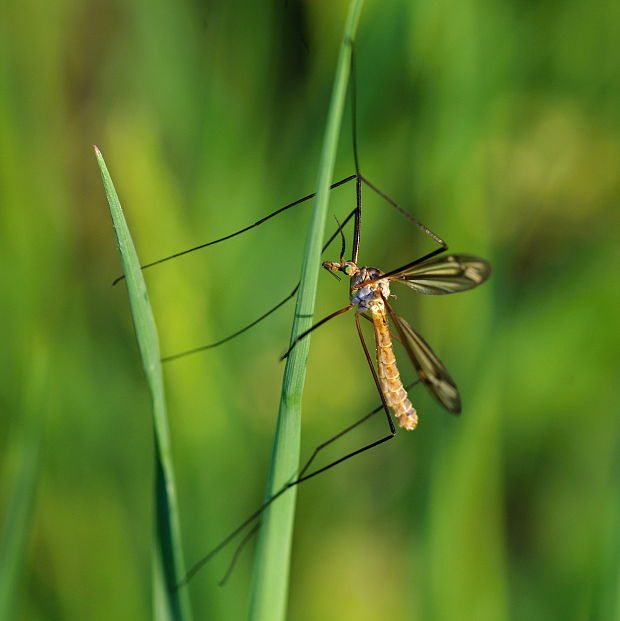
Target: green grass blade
{"x": 169, "y": 568}
{"x": 16, "y": 525}
{"x": 271, "y": 569}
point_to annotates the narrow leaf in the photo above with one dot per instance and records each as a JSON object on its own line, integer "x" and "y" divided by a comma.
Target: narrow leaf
{"x": 170, "y": 604}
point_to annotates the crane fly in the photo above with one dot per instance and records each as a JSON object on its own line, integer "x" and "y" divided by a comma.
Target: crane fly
{"x": 369, "y": 290}
{"x": 369, "y": 293}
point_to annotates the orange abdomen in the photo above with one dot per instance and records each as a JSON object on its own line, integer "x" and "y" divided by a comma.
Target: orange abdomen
{"x": 389, "y": 377}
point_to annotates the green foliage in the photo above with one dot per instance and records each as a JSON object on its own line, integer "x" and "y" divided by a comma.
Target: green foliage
{"x": 168, "y": 571}
{"x": 496, "y": 124}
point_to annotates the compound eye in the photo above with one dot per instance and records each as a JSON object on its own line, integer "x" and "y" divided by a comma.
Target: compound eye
{"x": 347, "y": 270}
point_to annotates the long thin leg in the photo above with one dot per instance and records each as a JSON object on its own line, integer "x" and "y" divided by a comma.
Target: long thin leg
{"x": 400, "y": 269}
{"x": 196, "y": 350}
{"x": 302, "y": 476}
{"x": 315, "y": 453}
{"x": 358, "y": 182}
{"x": 346, "y": 430}
{"x": 443, "y": 246}
{"x": 354, "y": 110}
{"x": 343, "y": 245}
{"x": 358, "y": 220}
{"x": 243, "y": 230}
{"x": 318, "y": 324}
{"x": 416, "y": 262}
{"x": 222, "y": 544}
{"x": 395, "y": 337}
{"x": 384, "y": 406}
{"x": 405, "y": 213}
{"x": 240, "y": 547}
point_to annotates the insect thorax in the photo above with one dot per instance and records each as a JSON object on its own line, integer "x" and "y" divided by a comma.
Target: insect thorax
{"x": 369, "y": 295}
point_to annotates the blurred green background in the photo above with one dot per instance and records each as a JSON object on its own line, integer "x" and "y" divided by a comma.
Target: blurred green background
{"x": 495, "y": 123}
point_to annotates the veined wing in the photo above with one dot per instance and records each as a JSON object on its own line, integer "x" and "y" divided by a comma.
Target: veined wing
{"x": 430, "y": 369}
{"x": 450, "y": 274}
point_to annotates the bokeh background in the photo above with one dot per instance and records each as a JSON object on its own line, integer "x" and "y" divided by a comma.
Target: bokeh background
{"x": 497, "y": 123}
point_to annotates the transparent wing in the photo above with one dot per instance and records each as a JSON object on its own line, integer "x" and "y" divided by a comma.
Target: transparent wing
{"x": 450, "y": 274}
{"x": 429, "y": 367}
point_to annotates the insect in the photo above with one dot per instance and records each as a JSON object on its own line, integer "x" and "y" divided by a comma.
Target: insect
{"x": 369, "y": 293}
{"x": 369, "y": 290}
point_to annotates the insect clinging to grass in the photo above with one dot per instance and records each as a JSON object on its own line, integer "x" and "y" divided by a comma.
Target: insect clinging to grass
{"x": 434, "y": 273}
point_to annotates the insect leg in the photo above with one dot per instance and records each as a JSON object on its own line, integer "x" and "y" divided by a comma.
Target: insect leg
{"x": 301, "y": 474}
{"x": 301, "y": 477}
{"x": 196, "y": 350}
{"x": 354, "y": 110}
{"x": 395, "y": 337}
{"x": 443, "y": 245}
{"x": 399, "y": 269}
{"x": 238, "y": 551}
{"x": 291, "y": 295}
{"x": 345, "y": 431}
{"x": 406, "y": 214}
{"x": 358, "y": 180}
{"x": 416, "y": 262}
{"x": 243, "y": 230}
{"x": 304, "y": 334}
{"x": 367, "y": 447}
{"x": 358, "y": 220}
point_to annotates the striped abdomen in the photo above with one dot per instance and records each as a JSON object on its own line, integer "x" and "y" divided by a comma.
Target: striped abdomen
{"x": 393, "y": 390}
